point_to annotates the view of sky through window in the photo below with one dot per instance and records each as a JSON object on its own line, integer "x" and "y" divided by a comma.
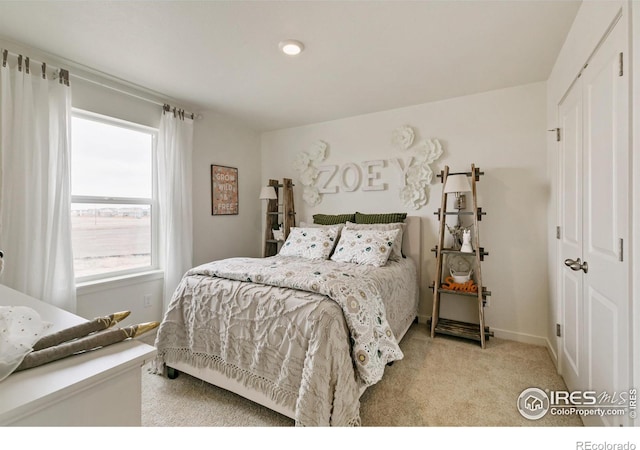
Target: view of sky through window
{"x": 110, "y": 161}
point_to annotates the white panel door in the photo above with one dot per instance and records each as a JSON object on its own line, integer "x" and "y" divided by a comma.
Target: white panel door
{"x": 594, "y": 216}
{"x": 573, "y": 353}
{"x": 606, "y": 217}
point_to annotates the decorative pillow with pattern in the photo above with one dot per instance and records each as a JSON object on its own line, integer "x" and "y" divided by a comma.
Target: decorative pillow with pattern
{"x": 310, "y": 243}
{"x": 396, "y": 250}
{"x": 338, "y": 227}
{"x": 372, "y": 247}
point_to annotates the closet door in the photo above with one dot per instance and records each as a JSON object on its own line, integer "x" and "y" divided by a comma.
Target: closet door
{"x": 606, "y": 217}
{"x": 594, "y": 216}
{"x": 573, "y": 352}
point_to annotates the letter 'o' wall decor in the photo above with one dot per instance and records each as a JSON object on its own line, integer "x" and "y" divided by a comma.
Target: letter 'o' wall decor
{"x": 415, "y": 170}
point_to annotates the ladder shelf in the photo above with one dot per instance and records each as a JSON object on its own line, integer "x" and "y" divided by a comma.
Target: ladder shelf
{"x": 473, "y": 289}
{"x": 279, "y": 214}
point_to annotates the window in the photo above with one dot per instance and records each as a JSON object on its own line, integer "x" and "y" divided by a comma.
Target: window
{"x": 112, "y": 202}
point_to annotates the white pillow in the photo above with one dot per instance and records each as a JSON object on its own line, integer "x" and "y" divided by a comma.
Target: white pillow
{"x": 396, "y": 250}
{"x": 338, "y": 227}
{"x": 371, "y": 247}
{"x": 311, "y": 243}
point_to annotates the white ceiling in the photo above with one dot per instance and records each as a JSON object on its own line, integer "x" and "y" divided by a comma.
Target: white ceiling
{"x": 360, "y": 56}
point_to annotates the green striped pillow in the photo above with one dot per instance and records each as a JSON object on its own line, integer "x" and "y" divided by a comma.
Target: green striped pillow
{"x": 333, "y": 219}
{"x": 380, "y": 218}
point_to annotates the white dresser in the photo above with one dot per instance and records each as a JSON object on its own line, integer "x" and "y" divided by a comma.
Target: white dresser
{"x": 97, "y": 388}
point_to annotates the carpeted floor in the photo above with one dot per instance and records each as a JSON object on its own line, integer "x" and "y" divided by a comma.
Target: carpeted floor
{"x": 440, "y": 382}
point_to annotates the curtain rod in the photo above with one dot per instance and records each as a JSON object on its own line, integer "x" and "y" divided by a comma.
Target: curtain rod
{"x": 27, "y": 60}
{"x": 62, "y": 74}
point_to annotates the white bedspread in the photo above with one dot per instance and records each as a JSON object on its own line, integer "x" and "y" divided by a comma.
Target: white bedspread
{"x": 307, "y": 333}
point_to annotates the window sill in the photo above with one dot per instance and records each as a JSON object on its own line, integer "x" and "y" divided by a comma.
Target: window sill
{"x": 89, "y": 287}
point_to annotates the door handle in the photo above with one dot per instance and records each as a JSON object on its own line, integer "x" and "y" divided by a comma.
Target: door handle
{"x": 577, "y": 265}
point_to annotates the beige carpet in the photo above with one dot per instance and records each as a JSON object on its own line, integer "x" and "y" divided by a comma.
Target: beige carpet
{"x": 440, "y": 382}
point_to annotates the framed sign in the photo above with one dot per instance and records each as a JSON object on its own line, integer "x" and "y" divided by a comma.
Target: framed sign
{"x": 224, "y": 190}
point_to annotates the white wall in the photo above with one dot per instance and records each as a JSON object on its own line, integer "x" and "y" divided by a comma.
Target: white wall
{"x": 99, "y": 299}
{"x": 92, "y": 97}
{"x": 503, "y": 133}
{"x": 222, "y": 141}
{"x": 590, "y": 25}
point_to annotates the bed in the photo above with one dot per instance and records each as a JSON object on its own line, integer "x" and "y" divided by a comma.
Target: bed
{"x": 303, "y": 337}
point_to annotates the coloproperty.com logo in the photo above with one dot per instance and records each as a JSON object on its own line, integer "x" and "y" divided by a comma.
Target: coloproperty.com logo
{"x": 534, "y": 403}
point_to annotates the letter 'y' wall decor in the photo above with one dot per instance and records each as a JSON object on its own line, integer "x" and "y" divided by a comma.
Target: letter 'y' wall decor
{"x": 415, "y": 171}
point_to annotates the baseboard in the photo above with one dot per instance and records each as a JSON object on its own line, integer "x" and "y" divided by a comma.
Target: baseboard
{"x": 552, "y": 354}
{"x": 519, "y": 337}
{"x": 422, "y": 318}
{"x": 511, "y": 336}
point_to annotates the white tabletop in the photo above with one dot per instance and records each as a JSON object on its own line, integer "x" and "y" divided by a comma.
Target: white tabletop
{"x": 23, "y": 391}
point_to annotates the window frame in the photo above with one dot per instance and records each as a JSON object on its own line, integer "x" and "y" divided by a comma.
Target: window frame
{"x": 152, "y": 202}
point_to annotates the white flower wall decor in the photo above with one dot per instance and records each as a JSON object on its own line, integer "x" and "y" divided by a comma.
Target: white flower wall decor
{"x": 402, "y": 138}
{"x": 416, "y": 174}
{"x": 306, "y": 164}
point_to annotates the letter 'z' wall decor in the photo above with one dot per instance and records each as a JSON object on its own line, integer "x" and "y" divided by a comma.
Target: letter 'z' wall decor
{"x": 415, "y": 173}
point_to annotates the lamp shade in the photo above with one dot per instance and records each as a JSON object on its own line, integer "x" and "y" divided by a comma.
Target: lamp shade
{"x": 268, "y": 193}
{"x": 457, "y": 183}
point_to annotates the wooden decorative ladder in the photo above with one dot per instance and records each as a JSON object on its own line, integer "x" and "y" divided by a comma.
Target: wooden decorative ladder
{"x": 279, "y": 213}
{"x": 450, "y": 327}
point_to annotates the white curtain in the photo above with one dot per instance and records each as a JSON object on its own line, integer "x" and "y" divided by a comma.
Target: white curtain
{"x": 174, "y": 152}
{"x": 35, "y": 196}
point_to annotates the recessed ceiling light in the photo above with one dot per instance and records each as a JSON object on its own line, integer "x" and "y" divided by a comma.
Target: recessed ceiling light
{"x": 291, "y": 47}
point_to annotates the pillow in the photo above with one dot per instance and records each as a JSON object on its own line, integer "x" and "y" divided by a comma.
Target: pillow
{"x": 328, "y": 219}
{"x": 371, "y": 247}
{"x": 380, "y": 218}
{"x": 396, "y": 250}
{"x": 310, "y": 243}
{"x": 338, "y": 227}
